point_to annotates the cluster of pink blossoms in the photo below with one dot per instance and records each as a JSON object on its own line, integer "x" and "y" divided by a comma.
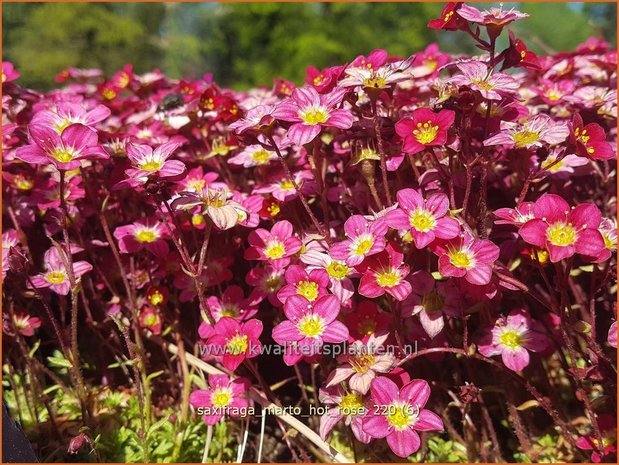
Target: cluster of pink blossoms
{"x": 461, "y": 207}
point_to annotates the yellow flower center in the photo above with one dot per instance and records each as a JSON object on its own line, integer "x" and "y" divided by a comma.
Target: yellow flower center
{"x": 155, "y": 298}
{"x": 22, "y": 183}
{"x": 401, "y": 416}
{"x": 338, "y": 270}
{"x": 425, "y": 132}
{"x": 260, "y": 156}
{"x": 151, "y": 319}
{"x": 511, "y": 339}
{"x": 146, "y": 235}
{"x": 553, "y": 96}
{"x": 221, "y": 398}
{"x": 196, "y": 184}
{"x": 483, "y": 84}
{"x": 274, "y": 209}
{"x": 551, "y": 164}
{"x": 376, "y": 82}
{"x": 62, "y": 125}
{"x": 237, "y": 345}
{"x": 609, "y": 242}
{"x": 311, "y": 326}
{"x": 151, "y": 165}
{"x": 56, "y": 277}
{"x": 351, "y": 403}
{"x": 308, "y": 289}
{"x": 582, "y": 136}
{"x": 275, "y": 250}
{"x": 314, "y": 116}
{"x": 363, "y": 246}
{"x": 63, "y": 155}
{"x": 461, "y": 259}
{"x": 367, "y": 326}
{"x": 286, "y": 185}
{"x": 197, "y": 219}
{"x": 362, "y": 363}
{"x": 229, "y": 311}
{"x": 525, "y": 138}
{"x": 422, "y": 220}
{"x": 448, "y": 16}
{"x": 432, "y": 301}
{"x": 389, "y": 278}
{"x": 561, "y": 234}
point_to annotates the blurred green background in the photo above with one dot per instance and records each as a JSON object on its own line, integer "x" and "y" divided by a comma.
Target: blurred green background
{"x": 245, "y": 44}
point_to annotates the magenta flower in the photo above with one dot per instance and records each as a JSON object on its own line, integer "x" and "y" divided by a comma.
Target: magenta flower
{"x": 491, "y": 85}
{"x": 310, "y": 285}
{"x": 397, "y": 414}
{"x": 149, "y": 163}
{"x": 253, "y": 155}
{"x": 515, "y": 216}
{"x": 532, "y": 133}
{"x": 590, "y": 140}
{"x": 432, "y": 301}
{"x": 564, "y": 231}
{"x": 468, "y": 258}
{"x": 65, "y": 151}
{"x": 608, "y": 229}
{"x": 450, "y": 20}
{"x": 350, "y": 406}
{"x": 367, "y": 319}
{"x": 224, "y": 397}
{"x": 266, "y": 280}
{"x": 385, "y": 272}
{"x": 258, "y": 117}
{"x": 364, "y": 239}
{"x": 9, "y": 239}
{"x": 612, "y": 335}
{"x": 608, "y": 431}
{"x": 235, "y": 341}
{"x": 26, "y": 324}
{"x": 310, "y": 112}
{"x": 361, "y": 363}
{"x": 232, "y": 303}
{"x": 492, "y": 17}
{"x": 146, "y": 234}
{"x": 308, "y": 326}
{"x": 9, "y": 73}
{"x": 274, "y": 245}
{"x": 150, "y": 319}
{"x": 55, "y": 276}
{"x": 338, "y": 271}
{"x": 424, "y": 129}
{"x": 65, "y": 114}
{"x": 512, "y": 338}
{"x": 424, "y": 218}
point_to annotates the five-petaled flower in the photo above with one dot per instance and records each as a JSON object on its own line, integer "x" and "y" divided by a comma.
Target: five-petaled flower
{"x": 590, "y": 140}
{"x": 148, "y": 234}
{"x": 564, "y": 231}
{"x": 385, "y": 273}
{"x": 308, "y": 326}
{"x": 223, "y": 397}
{"x": 234, "y": 341}
{"x": 424, "y": 128}
{"x": 512, "y": 338}
{"x": 310, "y": 112}
{"x": 55, "y": 277}
{"x": 397, "y": 414}
{"x": 424, "y": 218}
{"x": 364, "y": 239}
{"x": 491, "y": 85}
{"x": 275, "y": 245}
{"x": 151, "y": 163}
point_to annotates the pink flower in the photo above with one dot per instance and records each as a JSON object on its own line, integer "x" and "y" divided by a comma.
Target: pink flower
{"x": 310, "y": 112}
{"x": 146, "y": 234}
{"x": 515, "y": 216}
{"x": 608, "y": 430}
{"x": 65, "y": 151}
{"x": 9, "y": 239}
{"x": 491, "y": 17}
{"x": 367, "y": 319}
{"x": 364, "y": 239}
{"x": 532, "y": 133}
{"x": 424, "y": 129}
{"x": 385, "y": 272}
{"x": 277, "y": 244}
{"x": 424, "y": 218}
{"x": 308, "y": 326}
{"x": 8, "y": 72}
{"x": 151, "y": 163}
{"x": 564, "y": 231}
{"x": 590, "y": 140}
{"x": 224, "y": 397}
{"x": 512, "y": 337}
{"x": 432, "y": 300}
{"x": 361, "y": 363}
{"x": 350, "y": 406}
{"x": 235, "y": 341}
{"x": 310, "y": 285}
{"x": 232, "y": 303}
{"x": 608, "y": 229}
{"x": 468, "y": 258}
{"x": 26, "y": 324}
{"x": 256, "y": 118}
{"x": 397, "y": 414}
{"x": 338, "y": 271}
{"x": 55, "y": 277}
{"x": 66, "y": 114}
{"x": 491, "y": 85}
{"x": 253, "y": 155}
{"x": 266, "y": 280}
{"x": 150, "y": 319}
{"x": 377, "y": 78}
{"x": 450, "y": 20}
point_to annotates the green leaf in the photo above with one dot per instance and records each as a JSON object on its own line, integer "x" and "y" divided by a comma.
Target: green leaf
{"x": 59, "y": 362}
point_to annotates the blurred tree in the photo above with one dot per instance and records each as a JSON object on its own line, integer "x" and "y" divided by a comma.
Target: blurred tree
{"x": 247, "y": 44}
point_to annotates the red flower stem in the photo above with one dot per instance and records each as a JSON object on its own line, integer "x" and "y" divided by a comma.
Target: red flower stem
{"x": 317, "y": 225}
{"x": 381, "y": 151}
